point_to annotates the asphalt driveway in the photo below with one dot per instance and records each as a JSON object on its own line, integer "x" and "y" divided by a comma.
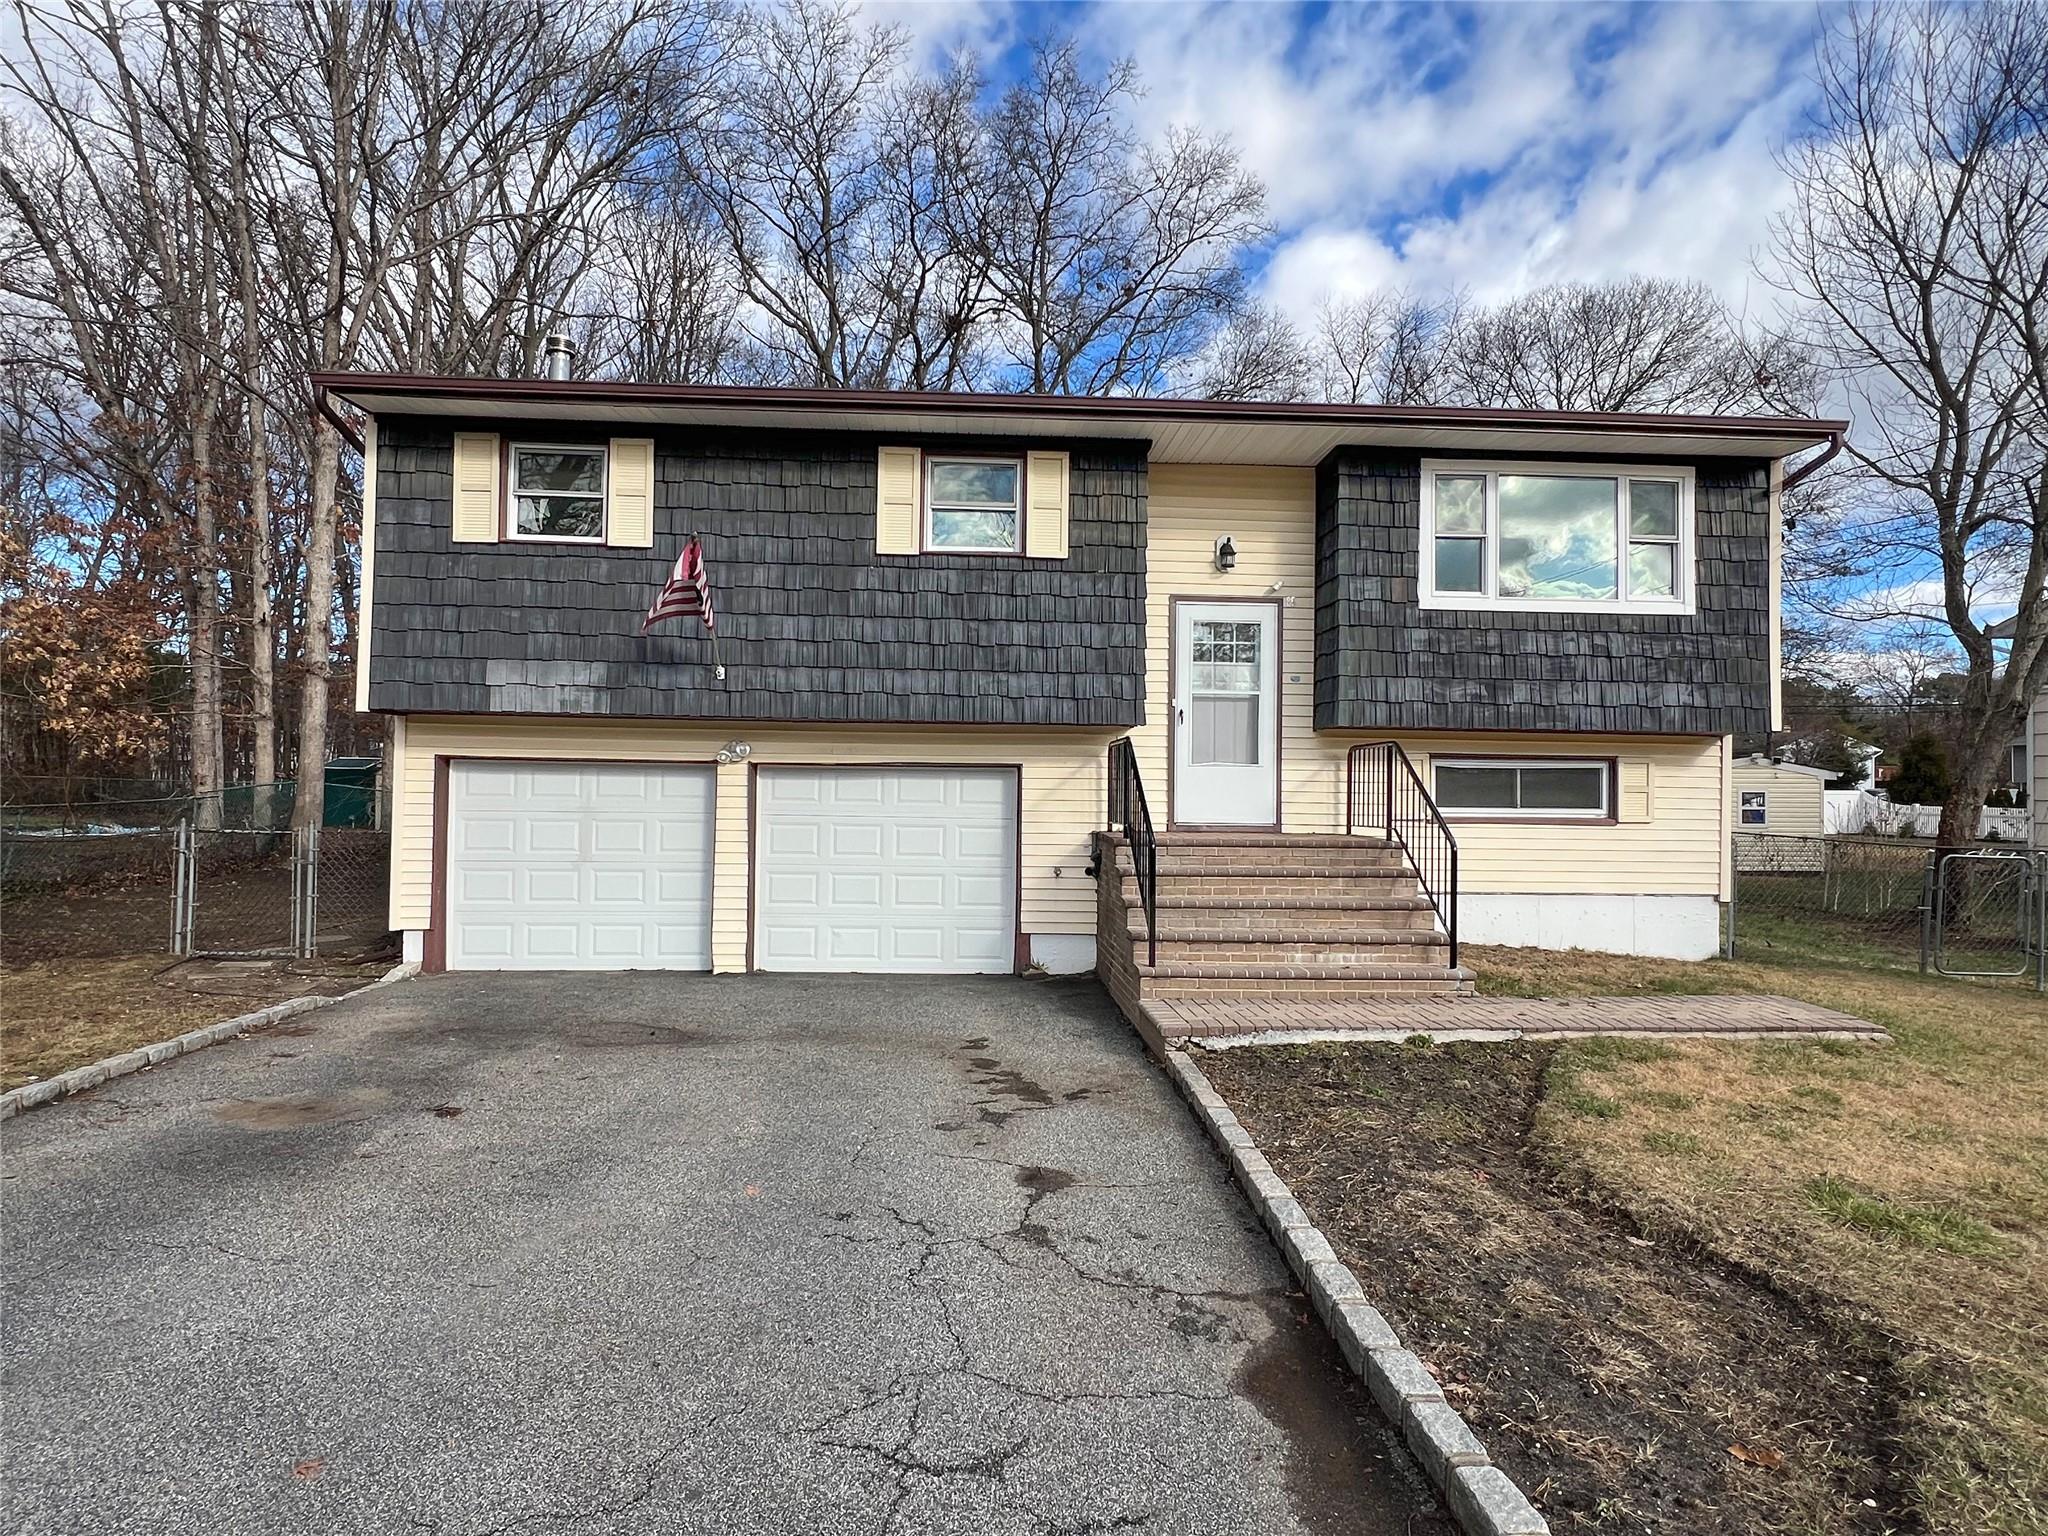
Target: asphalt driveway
{"x": 643, "y": 1253}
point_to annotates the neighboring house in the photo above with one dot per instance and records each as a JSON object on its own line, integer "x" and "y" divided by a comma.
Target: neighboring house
{"x": 937, "y": 613}
{"x": 2027, "y": 759}
{"x": 1788, "y": 799}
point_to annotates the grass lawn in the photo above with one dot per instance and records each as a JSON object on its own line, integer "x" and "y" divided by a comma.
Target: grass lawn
{"x": 1904, "y": 1187}
{"x": 58, "y": 1015}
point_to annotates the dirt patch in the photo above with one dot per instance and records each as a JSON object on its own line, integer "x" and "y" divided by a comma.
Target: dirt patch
{"x": 297, "y": 1110}
{"x": 72, "y": 1013}
{"x": 1611, "y": 1375}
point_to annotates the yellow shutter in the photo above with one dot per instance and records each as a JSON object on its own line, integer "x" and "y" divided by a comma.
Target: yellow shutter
{"x": 477, "y": 506}
{"x": 1045, "y": 520}
{"x": 1634, "y": 798}
{"x": 898, "y": 499}
{"x": 629, "y": 513}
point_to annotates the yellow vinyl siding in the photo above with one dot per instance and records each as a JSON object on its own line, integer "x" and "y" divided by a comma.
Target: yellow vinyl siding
{"x": 1677, "y": 852}
{"x": 1271, "y": 514}
{"x": 1797, "y": 805}
{"x": 1675, "y": 802}
{"x": 1060, "y": 803}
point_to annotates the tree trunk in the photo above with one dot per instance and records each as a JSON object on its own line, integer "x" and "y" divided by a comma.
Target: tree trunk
{"x": 318, "y": 634}
{"x": 262, "y": 623}
{"x": 208, "y": 771}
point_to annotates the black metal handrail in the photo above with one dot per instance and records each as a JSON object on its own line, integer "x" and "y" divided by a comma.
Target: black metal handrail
{"x": 1130, "y": 815}
{"x": 1387, "y": 794}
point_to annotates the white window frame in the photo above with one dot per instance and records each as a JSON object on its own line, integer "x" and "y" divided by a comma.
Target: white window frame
{"x": 931, "y": 543}
{"x": 1605, "y": 813}
{"x": 1488, "y": 598}
{"x": 604, "y": 494}
{"x": 1743, "y": 808}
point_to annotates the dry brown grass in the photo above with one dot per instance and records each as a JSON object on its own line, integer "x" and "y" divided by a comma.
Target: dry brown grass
{"x": 58, "y": 1015}
{"x": 1903, "y": 1185}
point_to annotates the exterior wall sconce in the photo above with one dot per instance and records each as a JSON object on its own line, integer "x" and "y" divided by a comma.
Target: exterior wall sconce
{"x": 1226, "y": 552}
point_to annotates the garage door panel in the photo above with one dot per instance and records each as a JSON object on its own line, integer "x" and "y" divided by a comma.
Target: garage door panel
{"x": 885, "y": 869}
{"x": 610, "y": 863}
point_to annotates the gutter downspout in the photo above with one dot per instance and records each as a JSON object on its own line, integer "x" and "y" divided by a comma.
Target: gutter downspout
{"x": 325, "y": 407}
{"x": 1835, "y": 442}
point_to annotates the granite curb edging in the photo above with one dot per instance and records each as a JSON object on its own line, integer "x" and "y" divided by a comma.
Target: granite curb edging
{"x": 78, "y": 1079}
{"x": 1482, "y": 1498}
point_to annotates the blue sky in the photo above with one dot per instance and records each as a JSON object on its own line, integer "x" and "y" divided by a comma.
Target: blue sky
{"x": 1489, "y": 148}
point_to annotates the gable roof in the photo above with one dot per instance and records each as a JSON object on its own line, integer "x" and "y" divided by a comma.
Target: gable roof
{"x": 1826, "y": 775}
{"x": 1179, "y": 431}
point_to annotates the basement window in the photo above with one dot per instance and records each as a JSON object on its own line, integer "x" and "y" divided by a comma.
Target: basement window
{"x": 974, "y": 505}
{"x": 1534, "y": 789}
{"x": 1556, "y": 538}
{"x": 557, "y": 491}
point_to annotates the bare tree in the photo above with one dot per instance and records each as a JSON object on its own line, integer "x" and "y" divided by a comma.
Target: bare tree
{"x": 1917, "y": 248}
{"x": 1389, "y": 346}
{"x": 1114, "y": 261}
{"x": 1259, "y": 355}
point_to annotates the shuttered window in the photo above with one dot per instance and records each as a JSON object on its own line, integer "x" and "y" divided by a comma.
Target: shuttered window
{"x": 971, "y": 503}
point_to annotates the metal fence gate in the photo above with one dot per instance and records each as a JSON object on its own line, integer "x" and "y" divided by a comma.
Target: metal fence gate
{"x": 278, "y": 894}
{"x": 1986, "y": 914}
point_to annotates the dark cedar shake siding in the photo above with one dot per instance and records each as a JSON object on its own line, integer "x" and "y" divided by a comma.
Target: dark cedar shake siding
{"x": 811, "y": 624}
{"x": 1384, "y": 664}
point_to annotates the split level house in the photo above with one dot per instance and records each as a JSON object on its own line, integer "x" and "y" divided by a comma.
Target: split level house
{"x": 1237, "y": 698}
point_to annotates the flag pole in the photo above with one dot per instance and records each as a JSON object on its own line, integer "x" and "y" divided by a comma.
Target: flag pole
{"x": 711, "y": 612}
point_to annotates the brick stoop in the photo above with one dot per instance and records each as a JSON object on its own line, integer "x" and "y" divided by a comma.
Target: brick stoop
{"x": 1265, "y": 915}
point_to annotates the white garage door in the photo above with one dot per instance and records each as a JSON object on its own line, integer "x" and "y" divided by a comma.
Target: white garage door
{"x": 886, "y": 869}
{"x": 578, "y": 867}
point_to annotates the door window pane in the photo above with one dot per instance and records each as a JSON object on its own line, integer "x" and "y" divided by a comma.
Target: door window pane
{"x": 1460, "y": 565}
{"x": 1557, "y": 538}
{"x": 1226, "y": 730}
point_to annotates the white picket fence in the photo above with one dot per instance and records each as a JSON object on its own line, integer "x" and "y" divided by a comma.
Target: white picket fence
{"x": 1866, "y": 812}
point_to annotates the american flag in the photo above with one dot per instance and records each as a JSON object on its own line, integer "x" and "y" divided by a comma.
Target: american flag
{"x": 686, "y": 592}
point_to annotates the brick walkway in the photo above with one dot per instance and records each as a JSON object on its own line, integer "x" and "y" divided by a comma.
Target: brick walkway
{"x": 1279, "y": 1020}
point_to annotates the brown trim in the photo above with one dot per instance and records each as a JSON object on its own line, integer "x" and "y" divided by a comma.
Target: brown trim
{"x": 434, "y": 951}
{"x": 435, "y": 955}
{"x": 1020, "y": 943}
{"x": 753, "y": 820}
{"x": 1107, "y": 408}
{"x": 1173, "y": 823}
{"x": 1483, "y": 819}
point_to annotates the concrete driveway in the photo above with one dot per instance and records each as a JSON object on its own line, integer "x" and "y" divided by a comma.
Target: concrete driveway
{"x": 642, "y": 1253}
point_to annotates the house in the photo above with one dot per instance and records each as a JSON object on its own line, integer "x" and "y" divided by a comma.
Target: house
{"x": 939, "y": 618}
{"x": 1788, "y": 799}
{"x": 2027, "y": 759}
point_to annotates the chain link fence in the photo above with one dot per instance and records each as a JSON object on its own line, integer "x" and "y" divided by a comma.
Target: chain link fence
{"x": 82, "y": 893}
{"x": 1873, "y": 901}
{"x": 1853, "y": 900}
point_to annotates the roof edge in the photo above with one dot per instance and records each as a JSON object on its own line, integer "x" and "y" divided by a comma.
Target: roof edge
{"x": 1097, "y": 407}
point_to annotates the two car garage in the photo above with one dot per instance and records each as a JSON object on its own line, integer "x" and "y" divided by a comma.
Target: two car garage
{"x": 613, "y": 866}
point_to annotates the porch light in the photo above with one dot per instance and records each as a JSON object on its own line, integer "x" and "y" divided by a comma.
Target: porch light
{"x": 1226, "y": 552}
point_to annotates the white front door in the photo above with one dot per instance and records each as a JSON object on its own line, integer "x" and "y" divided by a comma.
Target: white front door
{"x": 578, "y": 867}
{"x": 886, "y": 869}
{"x": 1226, "y": 714}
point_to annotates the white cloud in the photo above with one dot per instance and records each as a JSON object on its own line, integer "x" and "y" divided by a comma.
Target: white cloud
{"x": 1493, "y": 149}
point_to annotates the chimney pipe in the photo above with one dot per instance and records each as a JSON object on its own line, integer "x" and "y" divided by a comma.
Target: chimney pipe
{"x": 558, "y": 357}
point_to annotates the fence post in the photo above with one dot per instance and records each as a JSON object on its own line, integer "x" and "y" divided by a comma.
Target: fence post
{"x": 1734, "y": 885}
{"x": 1927, "y": 898}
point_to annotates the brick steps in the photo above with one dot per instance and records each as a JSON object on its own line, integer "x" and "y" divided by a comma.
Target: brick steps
{"x": 1189, "y": 979}
{"x": 1249, "y": 915}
